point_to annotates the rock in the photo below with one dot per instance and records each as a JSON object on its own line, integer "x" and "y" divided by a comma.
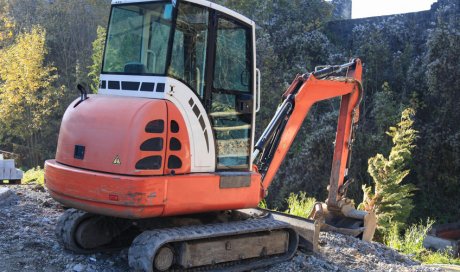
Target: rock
{"x": 7, "y": 196}
{"x": 78, "y": 268}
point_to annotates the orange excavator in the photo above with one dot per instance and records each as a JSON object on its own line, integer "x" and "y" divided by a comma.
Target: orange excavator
{"x": 164, "y": 160}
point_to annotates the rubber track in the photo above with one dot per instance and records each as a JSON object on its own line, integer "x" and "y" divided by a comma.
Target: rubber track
{"x": 145, "y": 246}
{"x": 67, "y": 226}
{"x": 65, "y": 229}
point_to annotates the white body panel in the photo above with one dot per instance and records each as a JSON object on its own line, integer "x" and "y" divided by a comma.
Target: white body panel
{"x": 202, "y": 146}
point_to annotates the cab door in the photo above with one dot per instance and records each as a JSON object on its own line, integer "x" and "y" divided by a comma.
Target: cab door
{"x": 230, "y": 96}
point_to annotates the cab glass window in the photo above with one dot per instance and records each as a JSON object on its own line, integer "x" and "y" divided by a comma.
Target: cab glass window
{"x": 137, "y": 40}
{"x": 233, "y": 58}
{"x": 188, "y": 56}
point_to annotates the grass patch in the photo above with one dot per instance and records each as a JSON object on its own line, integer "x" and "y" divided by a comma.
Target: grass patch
{"x": 412, "y": 240}
{"x": 439, "y": 258}
{"x": 411, "y": 243}
{"x": 300, "y": 205}
{"x": 34, "y": 176}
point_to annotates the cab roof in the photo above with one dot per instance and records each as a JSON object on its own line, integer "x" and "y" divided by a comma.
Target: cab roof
{"x": 199, "y": 2}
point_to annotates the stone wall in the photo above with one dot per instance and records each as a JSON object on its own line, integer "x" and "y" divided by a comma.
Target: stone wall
{"x": 340, "y": 32}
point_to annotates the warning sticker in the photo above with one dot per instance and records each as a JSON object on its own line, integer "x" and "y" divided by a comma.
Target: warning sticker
{"x": 117, "y": 161}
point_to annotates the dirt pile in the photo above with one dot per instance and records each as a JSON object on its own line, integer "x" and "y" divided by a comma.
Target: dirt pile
{"x": 27, "y": 243}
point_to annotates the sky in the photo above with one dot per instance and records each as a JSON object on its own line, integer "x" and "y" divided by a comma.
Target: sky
{"x": 369, "y": 8}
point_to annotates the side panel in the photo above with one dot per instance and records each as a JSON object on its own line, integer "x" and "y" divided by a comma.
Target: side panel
{"x": 202, "y": 192}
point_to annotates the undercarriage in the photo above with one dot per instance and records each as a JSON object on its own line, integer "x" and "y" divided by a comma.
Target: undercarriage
{"x": 238, "y": 240}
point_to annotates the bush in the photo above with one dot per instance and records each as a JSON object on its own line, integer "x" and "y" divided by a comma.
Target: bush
{"x": 411, "y": 243}
{"x": 442, "y": 257}
{"x": 300, "y": 205}
{"x": 34, "y": 176}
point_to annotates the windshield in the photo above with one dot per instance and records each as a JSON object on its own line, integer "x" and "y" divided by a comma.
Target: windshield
{"x": 138, "y": 38}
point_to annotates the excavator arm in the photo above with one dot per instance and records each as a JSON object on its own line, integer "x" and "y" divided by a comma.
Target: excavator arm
{"x": 272, "y": 147}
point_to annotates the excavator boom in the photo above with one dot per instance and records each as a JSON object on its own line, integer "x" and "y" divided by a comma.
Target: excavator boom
{"x": 304, "y": 92}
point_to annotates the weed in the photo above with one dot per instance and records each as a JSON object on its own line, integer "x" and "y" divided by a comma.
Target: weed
{"x": 263, "y": 204}
{"x": 300, "y": 204}
{"x": 411, "y": 243}
{"x": 34, "y": 176}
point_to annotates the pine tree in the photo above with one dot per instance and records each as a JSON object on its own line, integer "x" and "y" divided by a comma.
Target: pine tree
{"x": 389, "y": 198}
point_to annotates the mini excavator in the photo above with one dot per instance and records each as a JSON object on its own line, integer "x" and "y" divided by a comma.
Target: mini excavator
{"x": 164, "y": 159}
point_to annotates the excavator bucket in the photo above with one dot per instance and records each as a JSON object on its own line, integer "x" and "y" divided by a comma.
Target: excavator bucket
{"x": 345, "y": 219}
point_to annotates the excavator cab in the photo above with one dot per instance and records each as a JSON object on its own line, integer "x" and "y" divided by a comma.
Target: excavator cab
{"x": 199, "y": 57}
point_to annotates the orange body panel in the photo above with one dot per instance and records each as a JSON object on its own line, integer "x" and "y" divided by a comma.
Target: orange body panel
{"x": 144, "y": 197}
{"x": 111, "y": 127}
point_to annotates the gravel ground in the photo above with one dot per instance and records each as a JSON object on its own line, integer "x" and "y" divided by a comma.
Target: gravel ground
{"x": 27, "y": 243}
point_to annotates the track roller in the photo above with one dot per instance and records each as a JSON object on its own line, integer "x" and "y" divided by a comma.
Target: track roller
{"x": 164, "y": 259}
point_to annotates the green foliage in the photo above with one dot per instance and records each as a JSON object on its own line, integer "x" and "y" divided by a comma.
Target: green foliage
{"x": 385, "y": 110}
{"x": 97, "y": 57}
{"x": 411, "y": 243}
{"x": 34, "y": 176}
{"x": 412, "y": 240}
{"x": 437, "y": 163}
{"x": 263, "y": 204}
{"x": 300, "y": 205}
{"x": 389, "y": 198}
{"x": 439, "y": 257}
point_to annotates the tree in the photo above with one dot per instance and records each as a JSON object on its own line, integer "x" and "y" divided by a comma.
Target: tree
{"x": 437, "y": 163}
{"x": 28, "y": 99}
{"x": 6, "y": 25}
{"x": 69, "y": 40}
{"x": 98, "y": 51}
{"x": 389, "y": 198}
